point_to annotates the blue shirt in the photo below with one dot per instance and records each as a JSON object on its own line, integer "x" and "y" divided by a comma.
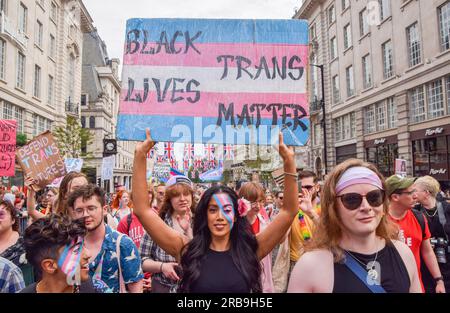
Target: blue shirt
{"x": 106, "y": 261}
{"x": 11, "y": 279}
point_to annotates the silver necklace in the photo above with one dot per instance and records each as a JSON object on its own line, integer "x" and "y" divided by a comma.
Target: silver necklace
{"x": 370, "y": 266}
{"x": 432, "y": 215}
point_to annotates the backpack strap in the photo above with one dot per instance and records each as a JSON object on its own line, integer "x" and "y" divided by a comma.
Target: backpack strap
{"x": 361, "y": 273}
{"x": 420, "y": 219}
{"x": 129, "y": 220}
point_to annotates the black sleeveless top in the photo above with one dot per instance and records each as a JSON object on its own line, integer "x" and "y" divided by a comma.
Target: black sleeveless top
{"x": 219, "y": 275}
{"x": 394, "y": 275}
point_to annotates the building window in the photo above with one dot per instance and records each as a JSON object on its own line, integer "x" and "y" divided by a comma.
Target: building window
{"x": 392, "y": 112}
{"x": 37, "y": 82}
{"x": 71, "y": 80}
{"x": 317, "y": 134}
{"x": 50, "y": 90}
{"x": 331, "y": 15}
{"x": 338, "y": 129}
{"x": 52, "y": 46}
{"x": 352, "y": 125}
{"x": 385, "y": 9}
{"x": 369, "y": 119}
{"x": 39, "y": 33}
{"x": 333, "y": 48}
{"x": 23, "y": 14}
{"x": 363, "y": 24}
{"x": 367, "y": 71}
{"x": 435, "y": 99}
{"x": 448, "y": 95}
{"x": 84, "y": 99}
{"x": 388, "y": 64}
{"x": 347, "y": 36}
{"x": 54, "y": 12}
{"x": 12, "y": 112}
{"x": 40, "y": 124}
{"x": 336, "y": 95}
{"x": 3, "y": 5}
{"x": 2, "y": 58}
{"x": 312, "y": 31}
{"x": 350, "y": 81}
{"x": 444, "y": 25}
{"x": 83, "y": 122}
{"x": 413, "y": 40}
{"x": 345, "y": 4}
{"x": 92, "y": 122}
{"x": 417, "y": 103}
{"x": 344, "y": 127}
{"x": 20, "y": 78}
{"x": 381, "y": 116}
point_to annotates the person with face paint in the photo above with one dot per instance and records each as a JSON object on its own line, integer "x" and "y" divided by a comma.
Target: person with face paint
{"x": 353, "y": 248}
{"x": 224, "y": 254}
{"x": 55, "y": 247}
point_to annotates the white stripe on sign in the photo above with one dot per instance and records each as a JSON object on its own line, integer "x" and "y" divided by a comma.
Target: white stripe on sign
{"x": 210, "y": 79}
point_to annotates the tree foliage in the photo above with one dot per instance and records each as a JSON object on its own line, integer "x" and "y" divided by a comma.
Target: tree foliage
{"x": 71, "y": 137}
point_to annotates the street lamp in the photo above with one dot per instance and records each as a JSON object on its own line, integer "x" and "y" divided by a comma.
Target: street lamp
{"x": 323, "y": 122}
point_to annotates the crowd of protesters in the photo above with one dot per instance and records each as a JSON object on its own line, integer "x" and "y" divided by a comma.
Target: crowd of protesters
{"x": 355, "y": 232}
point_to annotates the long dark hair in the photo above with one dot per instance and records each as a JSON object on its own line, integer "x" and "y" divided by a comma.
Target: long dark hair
{"x": 243, "y": 245}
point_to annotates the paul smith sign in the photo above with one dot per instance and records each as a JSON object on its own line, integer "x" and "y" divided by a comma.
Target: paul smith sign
{"x": 379, "y": 141}
{"x": 440, "y": 171}
{"x": 435, "y": 131}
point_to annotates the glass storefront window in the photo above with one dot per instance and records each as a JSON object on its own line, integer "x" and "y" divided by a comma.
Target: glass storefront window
{"x": 383, "y": 157}
{"x": 430, "y": 153}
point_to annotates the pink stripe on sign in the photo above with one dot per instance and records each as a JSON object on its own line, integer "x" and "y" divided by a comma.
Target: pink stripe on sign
{"x": 210, "y": 52}
{"x": 207, "y": 106}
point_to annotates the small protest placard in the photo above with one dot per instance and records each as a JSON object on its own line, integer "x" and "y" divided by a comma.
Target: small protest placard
{"x": 108, "y": 167}
{"x": 41, "y": 161}
{"x": 400, "y": 167}
{"x": 7, "y": 147}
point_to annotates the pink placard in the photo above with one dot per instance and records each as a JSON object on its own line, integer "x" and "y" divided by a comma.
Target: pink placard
{"x": 7, "y": 147}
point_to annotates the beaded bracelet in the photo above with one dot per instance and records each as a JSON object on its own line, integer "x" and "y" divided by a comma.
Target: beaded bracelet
{"x": 291, "y": 174}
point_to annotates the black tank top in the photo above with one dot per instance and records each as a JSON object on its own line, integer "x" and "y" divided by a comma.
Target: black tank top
{"x": 219, "y": 275}
{"x": 394, "y": 275}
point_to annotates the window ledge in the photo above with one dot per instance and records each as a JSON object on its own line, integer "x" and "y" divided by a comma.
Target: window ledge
{"x": 351, "y": 97}
{"x": 349, "y": 48}
{"x": 335, "y": 59}
{"x": 345, "y": 10}
{"x": 388, "y": 79}
{"x": 51, "y": 59}
{"x": 3, "y": 81}
{"x": 402, "y": 7}
{"x": 54, "y": 22}
{"x": 39, "y": 47}
{"x": 445, "y": 52}
{"x": 389, "y": 18}
{"x": 40, "y": 5}
{"x": 364, "y": 36}
{"x": 329, "y": 25}
{"x": 37, "y": 99}
{"x": 367, "y": 89}
{"x": 412, "y": 68}
{"x": 21, "y": 90}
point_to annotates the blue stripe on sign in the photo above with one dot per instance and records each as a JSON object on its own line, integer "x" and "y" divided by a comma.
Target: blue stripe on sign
{"x": 203, "y": 129}
{"x": 224, "y": 30}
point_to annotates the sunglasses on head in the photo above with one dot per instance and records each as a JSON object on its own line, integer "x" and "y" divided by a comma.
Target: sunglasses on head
{"x": 352, "y": 200}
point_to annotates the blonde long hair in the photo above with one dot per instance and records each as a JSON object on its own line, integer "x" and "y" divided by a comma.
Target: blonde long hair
{"x": 328, "y": 233}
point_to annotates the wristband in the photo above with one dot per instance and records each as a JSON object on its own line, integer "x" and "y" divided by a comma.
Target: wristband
{"x": 291, "y": 174}
{"x": 437, "y": 279}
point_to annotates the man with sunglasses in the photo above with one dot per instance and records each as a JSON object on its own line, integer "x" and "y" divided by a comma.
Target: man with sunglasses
{"x": 400, "y": 191}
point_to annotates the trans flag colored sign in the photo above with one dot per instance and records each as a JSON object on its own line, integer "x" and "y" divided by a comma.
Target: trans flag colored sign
{"x": 215, "y": 81}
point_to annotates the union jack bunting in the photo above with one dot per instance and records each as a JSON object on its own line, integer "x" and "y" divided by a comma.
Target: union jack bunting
{"x": 209, "y": 151}
{"x": 198, "y": 163}
{"x": 151, "y": 153}
{"x": 168, "y": 151}
{"x": 186, "y": 164}
{"x": 159, "y": 158}
{"x": 188, "y": 151}
{"x": 228, "y": 152}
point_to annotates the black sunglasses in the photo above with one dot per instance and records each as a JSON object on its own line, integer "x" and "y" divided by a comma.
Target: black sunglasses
{"x": 353, "y": 200}
{"x": 307, "y": 187}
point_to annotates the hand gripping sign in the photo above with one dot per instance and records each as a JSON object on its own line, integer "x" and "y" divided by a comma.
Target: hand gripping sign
{"x": 215, "y": 81}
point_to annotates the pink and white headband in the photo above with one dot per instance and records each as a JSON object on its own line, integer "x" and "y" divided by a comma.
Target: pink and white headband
{"x": 358, "y": 175}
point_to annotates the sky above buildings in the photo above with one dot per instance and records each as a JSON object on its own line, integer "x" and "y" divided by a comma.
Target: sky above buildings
{"x": 110, "y": 18}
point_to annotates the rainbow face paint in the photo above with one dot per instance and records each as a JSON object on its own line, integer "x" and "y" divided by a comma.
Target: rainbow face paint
{"x": 226, "y": 207}
{"x": 69, "y": 260}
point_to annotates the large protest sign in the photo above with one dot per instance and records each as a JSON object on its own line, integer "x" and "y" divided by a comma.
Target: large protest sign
{"x": 108, "y": 167}
{"x": 215, "y": 81}
{"x": 41, "y": 161}
{"x": 7, "y": 147}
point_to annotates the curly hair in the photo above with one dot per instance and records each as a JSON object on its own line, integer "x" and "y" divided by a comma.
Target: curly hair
{"x": 44, "y": 237}
{"x": 61, "y": 207}
{"x": 243, "y": 245}
{"x": 13, "y": 212}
